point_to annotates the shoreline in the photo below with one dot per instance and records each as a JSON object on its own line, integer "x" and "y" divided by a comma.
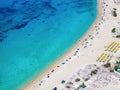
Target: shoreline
{"x": 67, "y": 53}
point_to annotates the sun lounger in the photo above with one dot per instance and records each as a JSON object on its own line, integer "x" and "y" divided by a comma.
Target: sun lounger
{"x": 109, "y": 46}
{"x": 103, "y": 57}
{"x": 116, "y": 50}
{"x": 107, "y": 57}
{"x": 100, "y": 56}
{"x": 110, "y": 57}
{"x": 115, "y": 46}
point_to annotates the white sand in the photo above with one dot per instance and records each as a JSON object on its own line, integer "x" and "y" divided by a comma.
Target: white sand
{"x": 84, "y": 56}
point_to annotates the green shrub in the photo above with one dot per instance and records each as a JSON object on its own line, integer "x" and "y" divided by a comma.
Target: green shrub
{"x": 93, "y": 72}
{"x": 115, "y": 67}
{"x": 114, "y": 13}
{"x": 113, "y": 30}
{"x": 114, "y": 9}
{"x": 118, "y": 36}
{"x": 111, "y": 70}
{"x": 107, "y": 65}
{"x": 77, "y": 79}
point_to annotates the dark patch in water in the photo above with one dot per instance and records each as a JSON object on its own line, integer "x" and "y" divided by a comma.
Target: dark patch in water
{"x": 43, "y": 21}
{"x": 2, "y": 37}
{"x": 9, "y": 10}
{"x": 24, "y": 3}
{"x": 5, "y": 31}
{"x": 34, "y": 17}
{"x": 58, "y": 4}
{"x": 9, "y": 21}
{"x": 14, "y": 3}
{"x": 20, "y": 26}
{"x": 0, "y": 33}
{"x": 29, "y": 34}
{"x": 48, "y": 4}
{"x": 52, "y": 14}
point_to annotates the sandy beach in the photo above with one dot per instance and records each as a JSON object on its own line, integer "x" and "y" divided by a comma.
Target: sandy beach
{"x": 84, "y": 52}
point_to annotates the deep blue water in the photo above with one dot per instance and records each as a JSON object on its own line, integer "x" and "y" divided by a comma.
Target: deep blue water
{"x": 34, "y": 33}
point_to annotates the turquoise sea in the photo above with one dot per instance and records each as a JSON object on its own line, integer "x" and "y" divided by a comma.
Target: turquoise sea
{"x": 34, "y": 33}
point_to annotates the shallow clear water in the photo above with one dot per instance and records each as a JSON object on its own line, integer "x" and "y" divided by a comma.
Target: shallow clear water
{"x": 34, "y": 33}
